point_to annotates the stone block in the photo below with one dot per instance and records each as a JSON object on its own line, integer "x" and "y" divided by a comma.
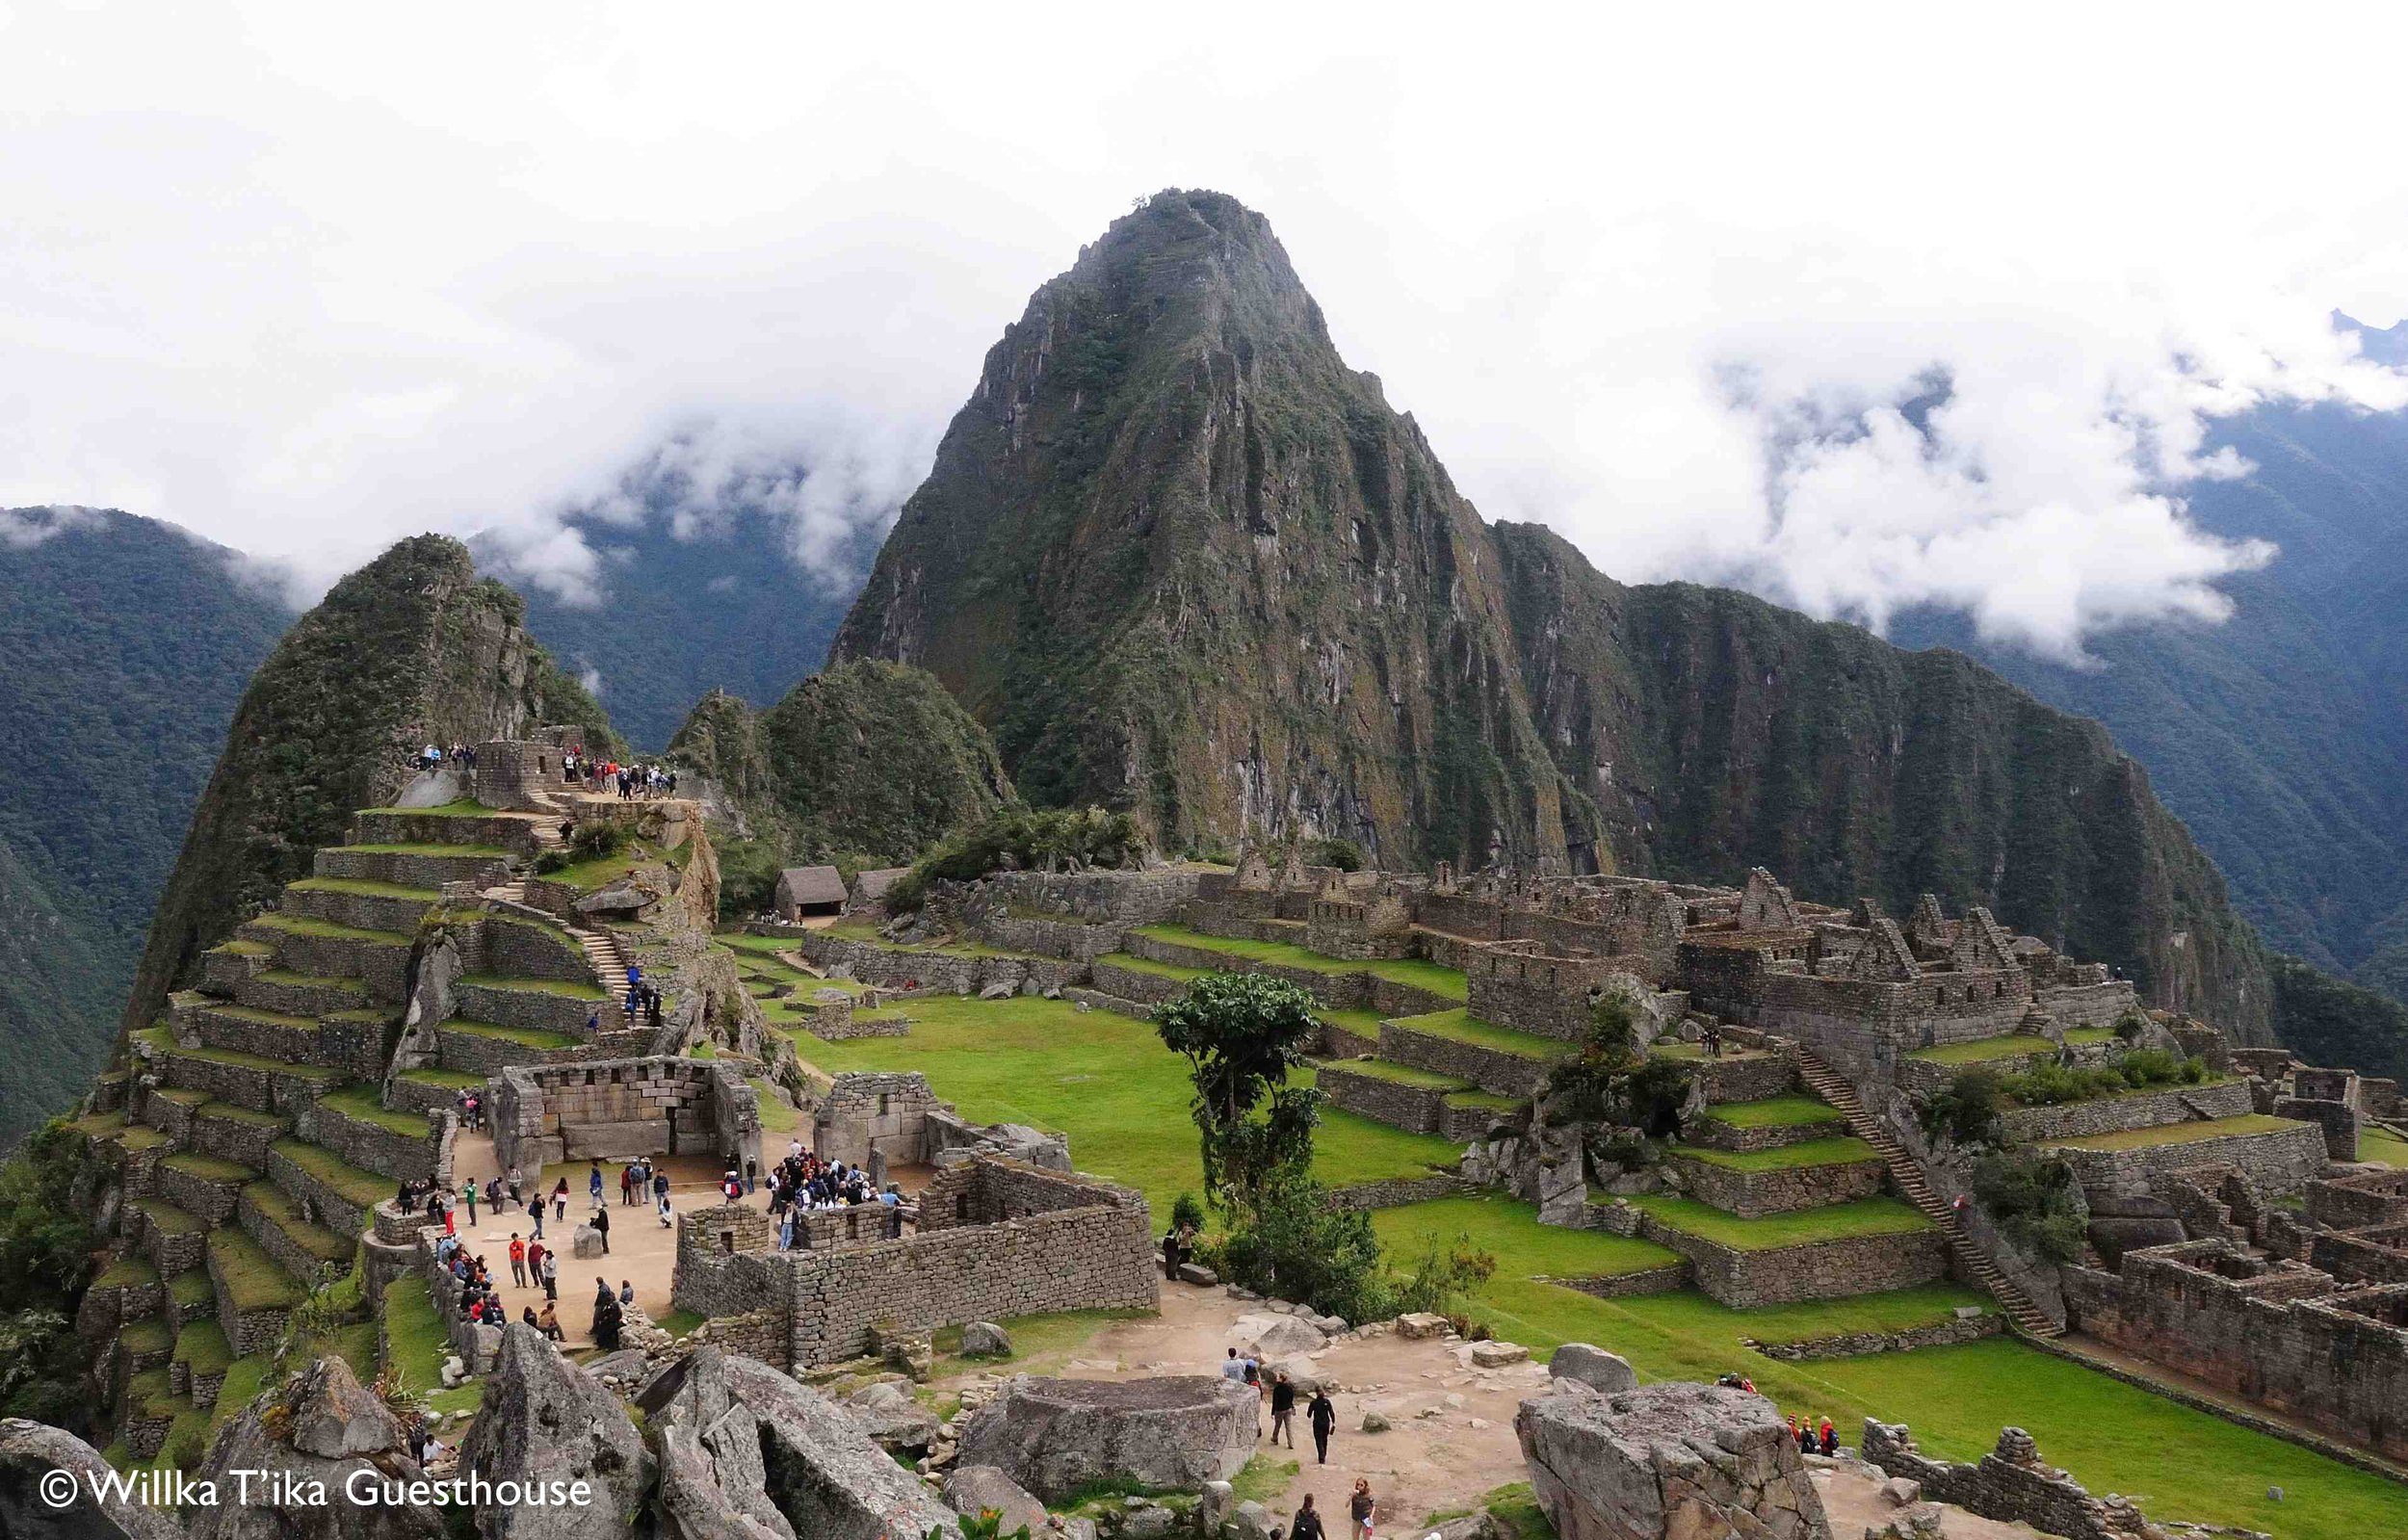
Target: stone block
{"x": 1668, "y": 1459}
{"x": 1592, "y": 1366}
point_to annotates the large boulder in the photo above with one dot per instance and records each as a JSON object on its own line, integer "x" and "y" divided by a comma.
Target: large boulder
{"x": 1271, "y": 1334}
{"x": 895, "y": 1422}
{"x": 546, "y": 1419}
{"x": 32, "y": 1453}
{"x": 1674, "y": 1460}
{"x": 330, "y": 1429}
{"x": 1593, "y": 1367}
{"x": 973, "y": 1489}
{"x": 749, "y": 1450}
{"x": 1053, "y": 1436}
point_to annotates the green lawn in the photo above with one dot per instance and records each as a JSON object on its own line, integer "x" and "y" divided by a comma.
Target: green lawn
{"x": 1104, "y": 1080}
{"x": 1845, "y": 1150}
{"x": 368, "y": 888}
{"x": 361, "y": 1103}
{"x": 570, "y": 989}
{"x": 303, "y": 980}
{"x": 1861, "y": 1216}
{"x": 1775, "y": 1111}
{"x": 2016, "y": 1045}
{"x": 253, "y": 1279}
{"x": 208, "y": 1167}
{"x": 1413, "y": 971}
{"x": 778, "y": 1115}
{"x": 1379, "y": 1069}
{"x": 1508, "y": 1230}
{"x": 2373, "y": 1144}
{"x": 523, "y": 1036}
{"x": 2135, "y": 1138}
{"x": 201, "y": 1346}
{"x": 417, "y": 1347}
{"x": 449, "y": 1080}
{"x": 1463, "y": 1026}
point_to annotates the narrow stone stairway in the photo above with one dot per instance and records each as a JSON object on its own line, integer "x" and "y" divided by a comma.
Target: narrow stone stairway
{"x": 1908, "y": 1178}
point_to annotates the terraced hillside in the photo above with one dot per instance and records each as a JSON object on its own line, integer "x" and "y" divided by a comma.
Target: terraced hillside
{"x": 255, "y": 1126}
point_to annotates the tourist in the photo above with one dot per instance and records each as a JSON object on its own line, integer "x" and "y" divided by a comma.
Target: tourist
{"x": 1307, "y": 1524}
{"x": 1361, "y": 1506}
{"x": 751, "y": 1170}
{"x": 1254, "y": 1380}
{"x": 1282, "y": 1410}
{"x": 627, "y": 1185}
{"x": 559, "y": 1200}
{"x": 551, "y": 1275}
{"x": 1806, "y": 1434}
{"x": 593, "y": 1183}
{"x": 601, "y": 1222}
{"x": 549, "y": 1322}
{"x": 1170, "y": 1256}
{"x": 421, "y": 1442}
{"x": 1322, "y": 1415}
{"x": 1830, "y": 1438}
{"x": 660, "y": 1188}
{"x": 535, "y": 1254}
{"x": 535, "y": 1211}
{"x": 493, "y": 1195}
{"x": 663, "y": 1189}
{"x": 468, "y": 1196}
{"x": 526, "y": 1317}
{"x": 518, "y": 1261}
{"x": 1233, "y": 1367}
{"x": 786, "y": 1232}
{"x": 514, "y": 1186}
{"x": 447, "y": 1227}
{"x": 626, "y": 1291}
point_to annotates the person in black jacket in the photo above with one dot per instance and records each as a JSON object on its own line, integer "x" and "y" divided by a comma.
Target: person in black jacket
{"x": 1322, "y": 1413}
{"x": 1308, "y": 1522}
{"x": 1283, "y": 1409}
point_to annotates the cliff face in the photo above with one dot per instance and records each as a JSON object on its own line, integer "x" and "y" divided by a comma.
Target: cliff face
{"x": 411, "y": 649}
{"x": 1181, "y": 560}
{"x": 865, "y": 760}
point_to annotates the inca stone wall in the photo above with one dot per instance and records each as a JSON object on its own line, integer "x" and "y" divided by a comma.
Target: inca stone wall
{"x": 619, "y": 1108}
{"x": 871, "y": 1110}
{"x": 2109, "y": 1115}
{"x": 1824, "y": 1269}
{"x": 2287, "y": 1336}
{"x": 2010, "y": 1484}
{"x": 1097, "y": 1256}
{"x": 374, "y": 1147}
{"x": 2279, "y": 1161}
{"x": 1488, "y": 1068}
{"x": 1415, "y": 1108}
{"x": 1779, "y": 1189}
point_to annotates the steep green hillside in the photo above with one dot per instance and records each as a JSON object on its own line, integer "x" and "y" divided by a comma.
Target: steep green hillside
{"x": 127, "y": 643}
{"x": 1181, "y": 560}
{"x": 412, "y": 648}
{"x": 865, "y": 760}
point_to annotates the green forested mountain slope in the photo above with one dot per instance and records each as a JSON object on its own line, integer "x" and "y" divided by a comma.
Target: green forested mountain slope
{"x": 127, "y": 641}
{"x": 412, "y": 648}
{"x": 1181, "y": 560}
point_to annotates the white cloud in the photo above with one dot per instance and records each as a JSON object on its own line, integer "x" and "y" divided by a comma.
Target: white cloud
{"x": 1674, "y": 282}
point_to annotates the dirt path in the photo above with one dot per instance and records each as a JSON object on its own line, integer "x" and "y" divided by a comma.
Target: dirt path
{"x": 1450, "y": 1441}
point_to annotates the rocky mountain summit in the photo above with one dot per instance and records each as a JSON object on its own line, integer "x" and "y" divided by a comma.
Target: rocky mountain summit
{"x": 1180, "y": 559}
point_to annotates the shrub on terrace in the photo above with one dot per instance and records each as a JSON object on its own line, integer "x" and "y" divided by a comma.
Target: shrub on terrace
{"x": 1051, "y": 839}
{"x": 2049, "y": 1084}
{"x": 2034, "y": 1202}
{"x": 1965, "y": 1110}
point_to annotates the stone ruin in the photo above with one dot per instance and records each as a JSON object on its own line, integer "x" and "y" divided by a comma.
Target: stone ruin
{"x": 2009, "y": 1484}
{"x": 995, "y": 1238}
{"x": 1670, "y": 1461}
{"x": 876, "y": 1119}
{"x": 616, "y": 1109}
{"x": 1054, "y": 1436}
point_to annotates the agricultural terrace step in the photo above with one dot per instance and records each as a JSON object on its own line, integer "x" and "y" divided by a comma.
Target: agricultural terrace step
{"x": 1764, "y": 1125}
{"x": 516, "y": 833}
{"x": 285, "y": 992}
{"x": 190, "y": 1298}
{"x": 204, "y": 1185}
{"x": 366, "y": 905}
{"x": 263, "y": 1034}
{"x": 234, "y": 1133}
{"x": 484, "y": 1048}
{"x": 254, "y": 1295}
{"x": 1453, "y": 1043}
{"x": 300, "y": 1246}
{"x": 414, "y": 866}
{"x": 339, "y": 1192}
{"x": 247, "y": 1079}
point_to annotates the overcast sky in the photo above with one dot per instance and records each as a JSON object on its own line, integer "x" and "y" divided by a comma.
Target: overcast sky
{"x": 307, "y": 278}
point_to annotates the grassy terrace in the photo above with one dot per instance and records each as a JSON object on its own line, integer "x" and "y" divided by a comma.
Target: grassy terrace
{"x": 523, "y": 1036}
{"x": 1775, "y": 1111}
{"x": 1102, "y": 1078}
{"x": 778, "y": 1115}
{"x": 2178, "y": 1133}
{"x": 233, "y": 1059}
{"x": 491, "y": 853}
{"x": 416, "y": 1346}
{"x": 465, "y": 807}
{"x": 360, "y": 1186}
{"x": 169, "y": 1220}
{"x": 603, "y": 870}
{"x": 1463, "y": 1026}
{"x": 1413, "y": 971}
{"x": 190, "y": 1288}
{"x": 567, "y": 988}
{"x": 2017, "y": 1045}
{"x": 149, "y": 1334}
{"x": 202, "y": 1348}
{"x": 1379, "y": 1069}
{"x": 306, "y": 980}
{"x": 286, "y": 1216}
{"x": 229, "y": 1113}
{"x": 2373, "y": 1144}
{"x": 1845, "y": 1150}
{"x": 367, "y": 888}
{"x": 449, "y": 1080}
{"x": 266, "y": 1018}
{"x": 208, "y": 1167}
{"x": 129, "y": 1272}
{"x": 1838, "y": 1221}
{"x": 302, "y": 925}
{"x": 360, "y": 1102}
{"x": 253, "y": 1279}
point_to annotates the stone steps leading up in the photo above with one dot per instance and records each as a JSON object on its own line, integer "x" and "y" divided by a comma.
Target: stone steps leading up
{"x": 1908, "y": 1178}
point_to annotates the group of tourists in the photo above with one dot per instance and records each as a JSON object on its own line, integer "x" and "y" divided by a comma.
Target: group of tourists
{"x": 464, "y": 755}
{"x": 632, "y": 781}
{"x": 644, "y": 1001}
{"x": 1178, "y": 1245}
{"x": 533, "y": 1265}
{"x": 471, "y": 1109}
{"x": 1813, "y": 1439}
{"x": 803, "y": 1184}
{"x": 1320, "y": 1414}
{"x": 639, "y": 1181}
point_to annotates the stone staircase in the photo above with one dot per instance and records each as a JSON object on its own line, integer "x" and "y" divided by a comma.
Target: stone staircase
{"x": 1908, "y": 1178}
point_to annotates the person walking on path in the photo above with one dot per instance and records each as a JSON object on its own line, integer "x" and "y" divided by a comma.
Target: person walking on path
{"x": 1322, "y": 1413}
{"x": 535, "y": 1253}
{"x": 468, "y": 1196}
{"x": 1363, "y": 1509}
{"x": 535, "y": 1211}
{"x": 593, "y": 1183}
{"x": 1307, "y": 1524}
{"x": 518, "y": 1261}
{"x": 626, "y": 1185}
{"x": 1283, "y": 1409}
{"x": 559, "y": 1200}
{"x": 602, "y": 1225}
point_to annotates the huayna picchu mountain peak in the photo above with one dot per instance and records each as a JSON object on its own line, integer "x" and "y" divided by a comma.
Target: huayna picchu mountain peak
{"x": 1180, "y": 559}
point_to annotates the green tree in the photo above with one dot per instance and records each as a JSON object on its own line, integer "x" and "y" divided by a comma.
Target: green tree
{"x": 46, "y": 1263}
{"x": 1241, "y": 1034}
